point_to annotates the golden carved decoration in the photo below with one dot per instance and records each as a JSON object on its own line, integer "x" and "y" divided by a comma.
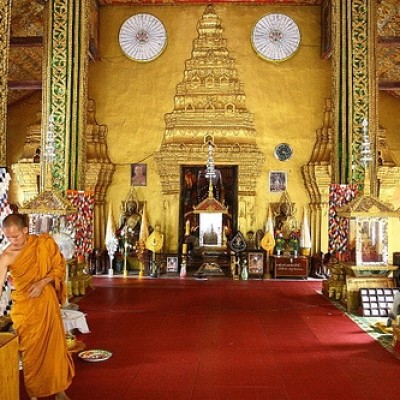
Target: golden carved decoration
{"x": 80, "y": 107}
{"x": 27, "y": 18}
{"x": 28, "y": 169}
{"x": 180, "y": 2}
{"x": 318, "y": 175}
{"x": 210, "y": 105}
{"x": 209, "y": 102}
{"x": 66, "y": 86}
{"x": 387, "y": 54}
{"x": 49, "y": 201}
{"x": 57, "y": 94}
{"x": 98, "y": 170}
{"x": 353, "y": 62}
{"x": 367, "y": 206}
{"x": 363, "y": 93}
{"x": 388, "y": 170}
{"x": 384, "y": 155}
{"x": 388, "y": 18}
{"x": 5, "y": 14}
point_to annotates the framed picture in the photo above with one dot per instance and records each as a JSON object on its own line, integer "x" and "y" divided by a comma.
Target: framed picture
{"x": 172, "y": 265}
{"x": 139, "y": 174}
{"x": 277, "y": 181}
{"x": 255, "y": 262}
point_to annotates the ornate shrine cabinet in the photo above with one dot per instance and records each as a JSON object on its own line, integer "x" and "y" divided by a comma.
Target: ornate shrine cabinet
{"x": 366, "y": 264}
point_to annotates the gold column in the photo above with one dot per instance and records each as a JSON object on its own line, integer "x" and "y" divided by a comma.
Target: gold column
{"x": 354, "y": 86}
{"x": 5, "y": 13}
{"x": 318, "y": 176}
{"x": 65, "y": 86}
{"x": 98, "y": 171}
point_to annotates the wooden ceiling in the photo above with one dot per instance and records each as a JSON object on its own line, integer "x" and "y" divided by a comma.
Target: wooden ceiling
{"x": 186, "y": 2}
{"x": 26, "y": 43}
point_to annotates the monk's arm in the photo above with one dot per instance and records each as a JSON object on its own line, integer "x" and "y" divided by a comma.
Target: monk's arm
{"x": 3, "y": 269}
{"x": 55, "y": 272}
{"x": 36, "y": 288}
{"x": 3, "y": 272}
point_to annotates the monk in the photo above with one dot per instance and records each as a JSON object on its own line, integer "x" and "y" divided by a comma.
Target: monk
{"x": 38, "y": 271}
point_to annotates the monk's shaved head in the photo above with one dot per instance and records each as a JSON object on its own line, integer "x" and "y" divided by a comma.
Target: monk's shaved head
{"x": 18, "y": 220}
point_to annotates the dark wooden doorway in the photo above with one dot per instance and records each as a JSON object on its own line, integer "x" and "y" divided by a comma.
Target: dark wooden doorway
{"x": 194, "y": 188}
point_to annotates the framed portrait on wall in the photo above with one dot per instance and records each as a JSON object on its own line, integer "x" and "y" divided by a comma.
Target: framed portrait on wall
{"x": 277, "y": 181}
{"x": 138, "y": 174}
{"x": 172, "y": 265}
{"x": 255, "y": 261}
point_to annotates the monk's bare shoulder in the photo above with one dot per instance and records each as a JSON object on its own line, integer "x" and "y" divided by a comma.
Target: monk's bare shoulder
{"x": 8, "y": 257}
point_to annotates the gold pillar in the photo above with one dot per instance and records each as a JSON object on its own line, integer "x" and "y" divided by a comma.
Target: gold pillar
{"x": 5, "y": 14}
{"x": 317, "y": 175}
{"x": 354, "y": 100}
{"x": 98, "y": 171}
{"x": 65, "y": 86}
{"x": 354, "y": 86}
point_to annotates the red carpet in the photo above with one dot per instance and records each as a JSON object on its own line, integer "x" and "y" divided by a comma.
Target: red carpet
{"x": 223, "y": 339}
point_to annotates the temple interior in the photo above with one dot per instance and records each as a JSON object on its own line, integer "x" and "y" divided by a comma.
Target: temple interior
{"x": 203, "y": 89}
{"x": 148, "y": 137}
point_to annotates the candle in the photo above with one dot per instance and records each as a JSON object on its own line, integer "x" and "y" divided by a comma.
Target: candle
{"x": 187, "y": 228}
{"x": 184, "y": 248}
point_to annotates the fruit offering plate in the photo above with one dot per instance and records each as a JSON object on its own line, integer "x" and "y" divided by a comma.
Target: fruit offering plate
{"x": 95, "y": 355}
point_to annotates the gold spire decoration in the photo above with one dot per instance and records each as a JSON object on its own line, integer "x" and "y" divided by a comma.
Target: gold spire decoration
{"x": 367, "y": 205}
{"x": 48, "y": 201}
{"x": 210, "y": 102}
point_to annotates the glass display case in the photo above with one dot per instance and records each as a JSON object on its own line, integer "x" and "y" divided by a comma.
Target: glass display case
{"x": 368, "y": 243}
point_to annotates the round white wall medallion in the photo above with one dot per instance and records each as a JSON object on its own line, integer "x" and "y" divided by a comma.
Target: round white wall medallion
{"x": 142, "y": 37}
{"x": 275, "y": 37}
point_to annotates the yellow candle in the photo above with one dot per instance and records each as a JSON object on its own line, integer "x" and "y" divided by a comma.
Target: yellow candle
{"x": 187, "y": 228}
{"x": 184, "y": 248}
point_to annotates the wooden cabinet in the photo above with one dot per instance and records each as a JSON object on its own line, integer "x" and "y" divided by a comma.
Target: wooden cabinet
{"x": 9, "y": 372}
{"x": 290, "y": 266}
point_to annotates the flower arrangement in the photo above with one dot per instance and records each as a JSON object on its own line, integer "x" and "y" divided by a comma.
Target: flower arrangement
{"x": 280, "y": 242}
{"x": 294, "y": 240}
{"x": 292, "y": 243}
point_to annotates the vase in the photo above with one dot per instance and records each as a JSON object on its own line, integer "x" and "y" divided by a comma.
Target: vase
{"x": 244, "y": 273}
{"x": 118, "y": 265}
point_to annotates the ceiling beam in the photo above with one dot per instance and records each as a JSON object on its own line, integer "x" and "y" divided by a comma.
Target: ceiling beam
{"x": 26, "y": 41}
{"x": 24, "y": 85}
{"x": 389, "y": 85}
{"x": 389, "y": 41}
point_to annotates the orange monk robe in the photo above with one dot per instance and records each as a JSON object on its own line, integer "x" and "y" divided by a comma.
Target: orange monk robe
{"x": 48, "y": 367}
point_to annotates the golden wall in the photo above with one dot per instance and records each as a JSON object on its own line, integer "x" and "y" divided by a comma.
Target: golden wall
{"x": 287, "y": 98}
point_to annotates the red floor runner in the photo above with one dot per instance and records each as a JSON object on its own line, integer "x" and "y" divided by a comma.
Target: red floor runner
{"x": 223, "y": 339}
